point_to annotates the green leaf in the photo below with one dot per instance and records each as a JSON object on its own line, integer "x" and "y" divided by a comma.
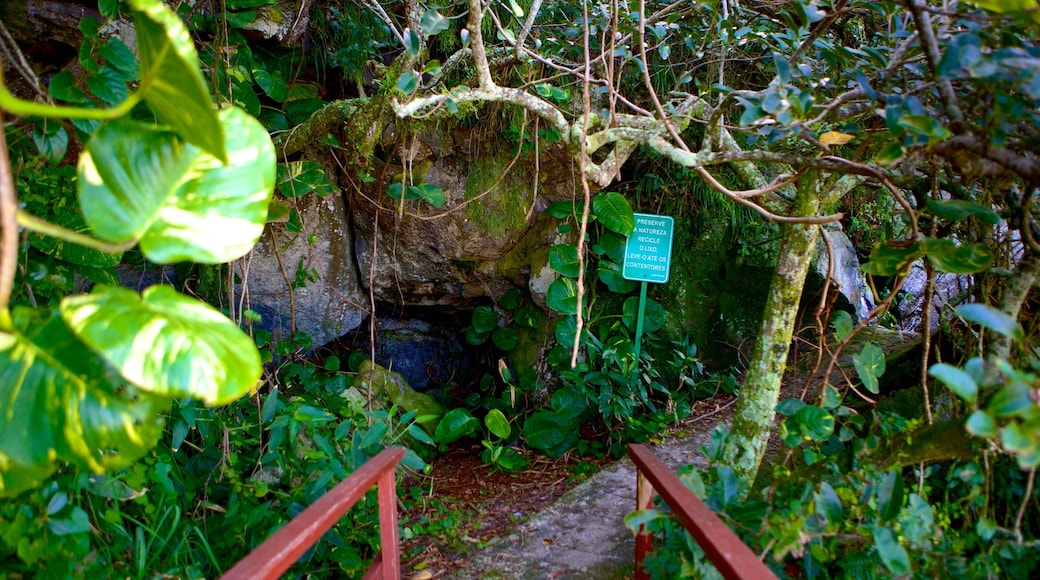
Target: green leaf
{"x": 958, "y": 209}
{"x": 614, "y": 212}
{"x": 433, "y": 23}
{"x": 842, "y": 324}
{"x": 312, "y": 414}
{"x": 1020, "y": 441}
{"x": 109, "y": 86}
{"x": 408, "y": 82}
{"x": 497, "y": 423}
{"x": 981, "y": 424}
{"x": 51, "y": 141}
{"x": 172, "y": 80}
{"x": 297, "y": 178}
{"x": 1014, "y": 398}
{"x": 550, "y": 432}
{"x": 925, "y": 125}
{"x": 526, "y": 317}
{"x": 992, "y": 319}
{"x": 890, "y": 495}
{"x": 119, "y": 56}
{"x": 957, "y": 380}
{"x": 432, "y": 194}
{"x": 140, "y": 182}
{"x": 655, "y": 316}
{"x": 397, "y": 189}
{"x": 640, "y": 518}
{"x": 63, "y": 87}
{"x": 71, "y": 252}
{"x": 58, "y": 405}
{"x": 887, "y": 260}
{"x": 609, "y": 273}
{"x": 870, "y": 365}
{"x": 273, "y": 85}
{"x": 948, "y": 257}
{"x": 412, "y": 42}
{"x": 166, "y": 343}
{"x": 893, "y": 555}
{"x": 562, "y": 296}
{"x": 789, "y": 406}
{"x": 563, "y": 258}
{"x": 828, "y": 505}
{"x": 505, "y": 338}
{"x": 420, "y": 435}
{"x": 814, "y": 422}
{"x": 456, "y": 424}
{"x": 510, "y": 300}
{"x": 483, "y": 319}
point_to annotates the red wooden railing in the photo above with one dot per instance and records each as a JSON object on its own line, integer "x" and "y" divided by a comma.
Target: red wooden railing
{"x": 731, "y": 556}
{"x": 273, "y": 557}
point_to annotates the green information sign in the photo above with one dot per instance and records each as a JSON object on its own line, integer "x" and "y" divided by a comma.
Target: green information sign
{"x": 648, "y": 253}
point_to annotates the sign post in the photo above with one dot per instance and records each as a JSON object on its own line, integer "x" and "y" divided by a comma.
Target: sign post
{"x": 648, "y": 258}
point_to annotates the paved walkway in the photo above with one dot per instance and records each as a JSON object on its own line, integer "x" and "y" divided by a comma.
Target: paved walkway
{"x": 583, "y": 535}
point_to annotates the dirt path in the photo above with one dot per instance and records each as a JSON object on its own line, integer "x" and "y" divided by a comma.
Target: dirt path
{"x": 562, "y": 529}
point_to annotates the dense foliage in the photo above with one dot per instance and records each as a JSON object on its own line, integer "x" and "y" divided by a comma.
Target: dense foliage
{"x": 930, "y": 111}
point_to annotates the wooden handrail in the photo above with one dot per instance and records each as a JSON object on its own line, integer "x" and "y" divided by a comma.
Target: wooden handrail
{"x": 730, "y": 555}
{"x": 277, "y": 553}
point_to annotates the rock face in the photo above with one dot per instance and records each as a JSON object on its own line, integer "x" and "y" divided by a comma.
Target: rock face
{"x": 429, "y": 256}
{"x": 949, "y": 289}
{"x": 305, "y": 281}
{"x": 847, "y": 279}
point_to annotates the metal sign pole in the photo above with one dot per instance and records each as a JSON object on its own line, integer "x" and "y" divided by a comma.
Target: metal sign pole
{"x": 639, "y": 325}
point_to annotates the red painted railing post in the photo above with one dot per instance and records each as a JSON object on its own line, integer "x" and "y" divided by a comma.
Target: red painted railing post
{"x": 644, "y": 500}
{"x": 730, "y": 555}
{"x": 388, "y": 526}
{"x": 277, "y": 553}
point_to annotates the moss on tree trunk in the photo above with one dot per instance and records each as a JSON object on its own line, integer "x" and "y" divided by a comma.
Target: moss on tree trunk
{"x": 756, "y": 408}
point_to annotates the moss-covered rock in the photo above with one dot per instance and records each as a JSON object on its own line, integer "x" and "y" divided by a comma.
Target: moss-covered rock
{"x": 382, "y": 381}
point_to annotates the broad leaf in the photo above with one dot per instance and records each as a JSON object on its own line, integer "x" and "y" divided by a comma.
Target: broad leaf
{"x": 981, "y": 424}
{"x": 171, "y": 77}
{"x": 828, "y": 505}
{"x": 456, "y": 424}
{"x": 893, "y": 555}
{"x": 654, "y": 315}
{"x": 958, "y": 209}
{"x": 562, "y": 296}
{"x": 505, "y": 338}
{"x": 870, "y": 365}
{"x": 272, "y": 84}
{"x": 609, "y": 273}
{"x": 842, "y": 323}
{"x": 483, "y": 319}
{"x": 992, "y": 319}
{"x": 614, "y": 212}
{"x": 59, "y": 406}
{"x": 497, "y": 423}
{"x": 957, "y": 380}
{"x": 433, "y": 23}
{"x": 887, "y": 260}
{"x": 563, "y": 258}
{"x": 412, "y": 42}
{"x": 298, "y": 178}
{"x": 814, "y": 422}
{"x": 71, "y": 252}
{"x": 550, "y": 432}
{"x": 140, "y": 182}
{"x": 166, "y": 343}
{"x": 948, "y": 257}
{"x": 890, "y": 495}
{"x": 1014, "y": 398}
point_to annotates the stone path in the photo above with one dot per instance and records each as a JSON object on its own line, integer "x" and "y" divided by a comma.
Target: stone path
{"x": 583, "y": 535}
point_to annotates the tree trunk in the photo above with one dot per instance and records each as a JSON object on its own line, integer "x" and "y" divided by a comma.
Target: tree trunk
{"x": 756, "y": 408}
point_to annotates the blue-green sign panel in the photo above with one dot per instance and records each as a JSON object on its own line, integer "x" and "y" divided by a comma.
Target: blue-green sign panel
{"x": 648, "y": 252}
